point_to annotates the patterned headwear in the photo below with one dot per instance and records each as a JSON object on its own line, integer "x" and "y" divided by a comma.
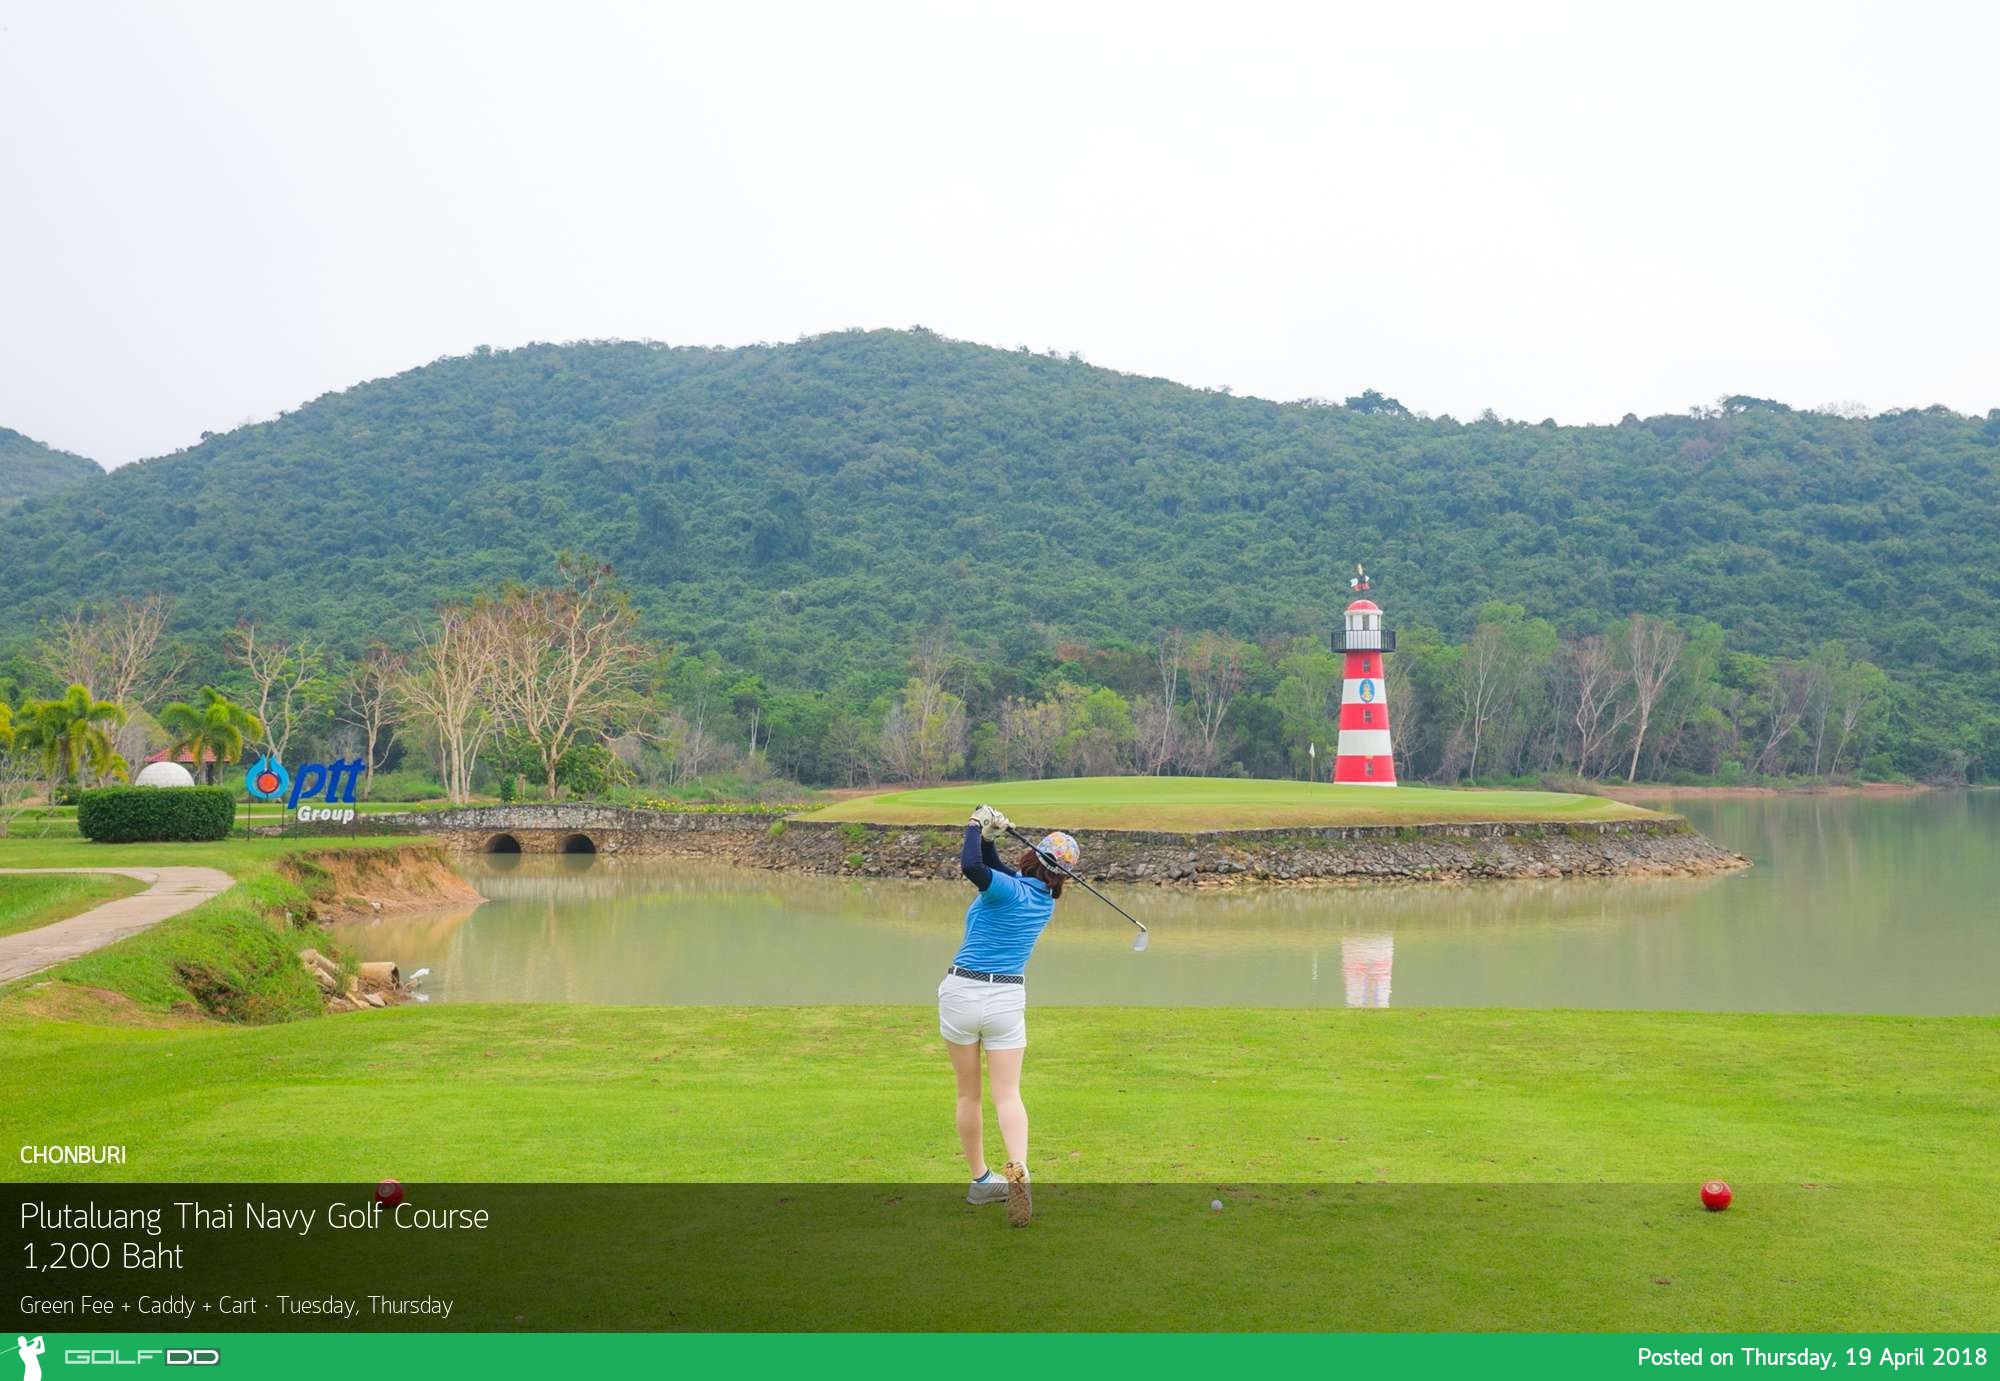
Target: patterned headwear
{"x": 1061, "y": 848}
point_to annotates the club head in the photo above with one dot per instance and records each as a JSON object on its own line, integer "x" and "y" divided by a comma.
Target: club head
{"x": 1139, "y": 942}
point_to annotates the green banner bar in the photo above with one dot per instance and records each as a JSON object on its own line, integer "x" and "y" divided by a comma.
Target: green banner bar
{"x": 439, "y": 1356}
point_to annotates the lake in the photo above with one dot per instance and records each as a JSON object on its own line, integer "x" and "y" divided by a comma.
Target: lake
{"x": 1856, "y": 904}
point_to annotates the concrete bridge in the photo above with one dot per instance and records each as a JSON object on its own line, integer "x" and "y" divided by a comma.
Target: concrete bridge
{"x": 563, "y": 828}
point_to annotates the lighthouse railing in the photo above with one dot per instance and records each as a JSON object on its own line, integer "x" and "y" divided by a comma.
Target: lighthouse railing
{"x": 1364, "y": 640}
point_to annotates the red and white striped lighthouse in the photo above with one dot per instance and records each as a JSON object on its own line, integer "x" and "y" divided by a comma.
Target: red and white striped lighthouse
{"x": 1364, "y": 757}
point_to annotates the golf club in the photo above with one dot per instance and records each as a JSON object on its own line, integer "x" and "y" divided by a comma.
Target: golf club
{"x": 1138, "y": 941}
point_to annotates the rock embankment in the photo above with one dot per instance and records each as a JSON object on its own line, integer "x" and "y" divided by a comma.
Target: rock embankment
{"x": 1417, "y": 853}
{"x": 376, "y": 984}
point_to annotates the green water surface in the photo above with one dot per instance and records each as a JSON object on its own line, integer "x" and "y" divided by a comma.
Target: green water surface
{"x": 1856, "y": 904}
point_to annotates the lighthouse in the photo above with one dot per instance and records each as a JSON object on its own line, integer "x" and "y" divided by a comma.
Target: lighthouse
{"x": 1364, "y": 757}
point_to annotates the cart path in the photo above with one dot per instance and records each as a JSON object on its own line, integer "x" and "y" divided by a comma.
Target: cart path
{"x": 173, "y": 891}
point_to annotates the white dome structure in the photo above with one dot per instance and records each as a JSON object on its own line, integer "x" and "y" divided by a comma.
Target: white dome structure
{"x": 163, "y": 774}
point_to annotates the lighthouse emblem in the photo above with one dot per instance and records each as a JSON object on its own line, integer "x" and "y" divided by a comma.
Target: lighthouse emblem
{"x": 1367, "y": 691}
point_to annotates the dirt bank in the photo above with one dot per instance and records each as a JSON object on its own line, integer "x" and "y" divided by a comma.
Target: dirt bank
{"x": 347, "y": 884}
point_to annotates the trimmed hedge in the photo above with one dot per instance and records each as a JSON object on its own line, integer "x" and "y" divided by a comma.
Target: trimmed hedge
{"x": 147, "y": 814}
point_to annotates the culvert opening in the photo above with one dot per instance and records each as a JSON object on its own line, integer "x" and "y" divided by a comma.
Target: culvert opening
{"x": 579, "y": 844}
{"x": 503, "y": 844}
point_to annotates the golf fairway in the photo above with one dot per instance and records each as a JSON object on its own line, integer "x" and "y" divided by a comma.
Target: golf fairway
{"x": 1476, "y": 1168}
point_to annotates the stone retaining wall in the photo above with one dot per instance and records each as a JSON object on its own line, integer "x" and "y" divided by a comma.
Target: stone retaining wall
{"x": 1328, "y": 854}
{"x": 1348, "y": 853}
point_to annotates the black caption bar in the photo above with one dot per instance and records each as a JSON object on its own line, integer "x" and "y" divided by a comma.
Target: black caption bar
{"x": 580, "y": 1257}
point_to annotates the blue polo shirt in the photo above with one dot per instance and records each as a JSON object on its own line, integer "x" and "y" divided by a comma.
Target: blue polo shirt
{"x": 1003, "y": 923}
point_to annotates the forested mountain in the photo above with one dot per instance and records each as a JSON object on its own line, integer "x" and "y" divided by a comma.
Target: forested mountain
{"x": 811, "y": 511}
{"x": 27, "y": 468}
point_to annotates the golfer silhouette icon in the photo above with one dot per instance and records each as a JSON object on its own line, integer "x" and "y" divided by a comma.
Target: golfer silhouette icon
{"x": 31, "y": 1357}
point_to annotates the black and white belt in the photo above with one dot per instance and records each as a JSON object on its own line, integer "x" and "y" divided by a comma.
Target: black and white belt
{"x": 988, "y": 977}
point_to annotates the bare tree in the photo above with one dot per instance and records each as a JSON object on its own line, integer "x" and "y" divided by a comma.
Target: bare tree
{"x": 567, "y": 662}
{"x": 1215, "y": 671}
{"x": 1785, "y": 698}
{"x": 1652, "y": 650}
{"x": 1593, "y": 700}
{"x": 1160, "y": 741}
{"x": 1858, "y": 690}
{"x": 923, "y": 735}
{"x": 1819, "y": 706}
{"x": 1481, "y": 687}
{"x": 448, "y": 682}
{"x": 1154, "y": 733}
{"x": 369, "y": 701}
{"x": 695, "y": 745}
{"x": 286, "y": 678}
{"x": 1030, "y": 730}
{"x": 115, "y": 654}
{"x": 1399, "y": 695}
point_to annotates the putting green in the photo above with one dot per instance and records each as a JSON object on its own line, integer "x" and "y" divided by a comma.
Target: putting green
{"x": 1217, "y": 803}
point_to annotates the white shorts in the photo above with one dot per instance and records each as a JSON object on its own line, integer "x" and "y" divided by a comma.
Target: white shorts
{"x": 970, "y": 1012}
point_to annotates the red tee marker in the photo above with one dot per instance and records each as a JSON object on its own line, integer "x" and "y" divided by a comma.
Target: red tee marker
{"x": 1715, "y": 1195}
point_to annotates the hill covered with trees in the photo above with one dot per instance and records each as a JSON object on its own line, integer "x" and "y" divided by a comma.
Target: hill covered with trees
{"x": 29, "y": 468}
{"x": 801, "y": 518}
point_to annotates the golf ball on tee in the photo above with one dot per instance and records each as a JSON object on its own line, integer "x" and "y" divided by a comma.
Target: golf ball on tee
{"x": 1215, "y": 1204}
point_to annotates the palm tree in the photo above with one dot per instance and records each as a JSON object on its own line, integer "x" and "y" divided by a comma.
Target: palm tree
{"x": 67, "y": 731}
{"x": 214, "y": 728}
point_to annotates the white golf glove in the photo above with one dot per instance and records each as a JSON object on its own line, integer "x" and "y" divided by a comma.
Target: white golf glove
{"x": 990, "y": 821}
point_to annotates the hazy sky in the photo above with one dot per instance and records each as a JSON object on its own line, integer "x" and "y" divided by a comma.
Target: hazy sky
{"x": 209, "y": 212}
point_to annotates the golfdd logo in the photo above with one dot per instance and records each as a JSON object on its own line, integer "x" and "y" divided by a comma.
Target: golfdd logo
{"x": 114, "y": 1357}
{"x": 1366, "y": 690}
{"x": 332, "y": 782}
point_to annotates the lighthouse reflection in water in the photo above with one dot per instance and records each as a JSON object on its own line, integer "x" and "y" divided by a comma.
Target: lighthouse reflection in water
{"x": 1365, "y": 961}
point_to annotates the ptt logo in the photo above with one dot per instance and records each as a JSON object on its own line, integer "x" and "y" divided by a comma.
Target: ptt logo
{"x": 1366, "y": 690}
{"x": 267, "y": 779}
{"x": 332, "y": 782}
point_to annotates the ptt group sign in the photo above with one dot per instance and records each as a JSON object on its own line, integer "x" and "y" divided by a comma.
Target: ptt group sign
{"x": 330, "y": 782}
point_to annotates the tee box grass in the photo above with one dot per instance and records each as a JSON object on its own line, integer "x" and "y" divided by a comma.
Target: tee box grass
{"x": 1430, "y": 1168}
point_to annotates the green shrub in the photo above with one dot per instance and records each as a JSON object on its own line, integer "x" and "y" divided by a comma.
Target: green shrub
{"x": 146, "y": 814}
{"x": 853, "y": 833}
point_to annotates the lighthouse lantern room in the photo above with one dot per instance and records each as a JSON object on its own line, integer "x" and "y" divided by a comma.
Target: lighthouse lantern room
{"x": 1364, "y": 756}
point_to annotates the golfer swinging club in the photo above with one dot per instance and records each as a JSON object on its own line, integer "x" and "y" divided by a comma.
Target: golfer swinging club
{"x": 983, "y": 999}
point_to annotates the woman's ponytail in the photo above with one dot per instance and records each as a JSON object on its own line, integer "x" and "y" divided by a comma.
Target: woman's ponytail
{"x": 1032, "y": 866}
